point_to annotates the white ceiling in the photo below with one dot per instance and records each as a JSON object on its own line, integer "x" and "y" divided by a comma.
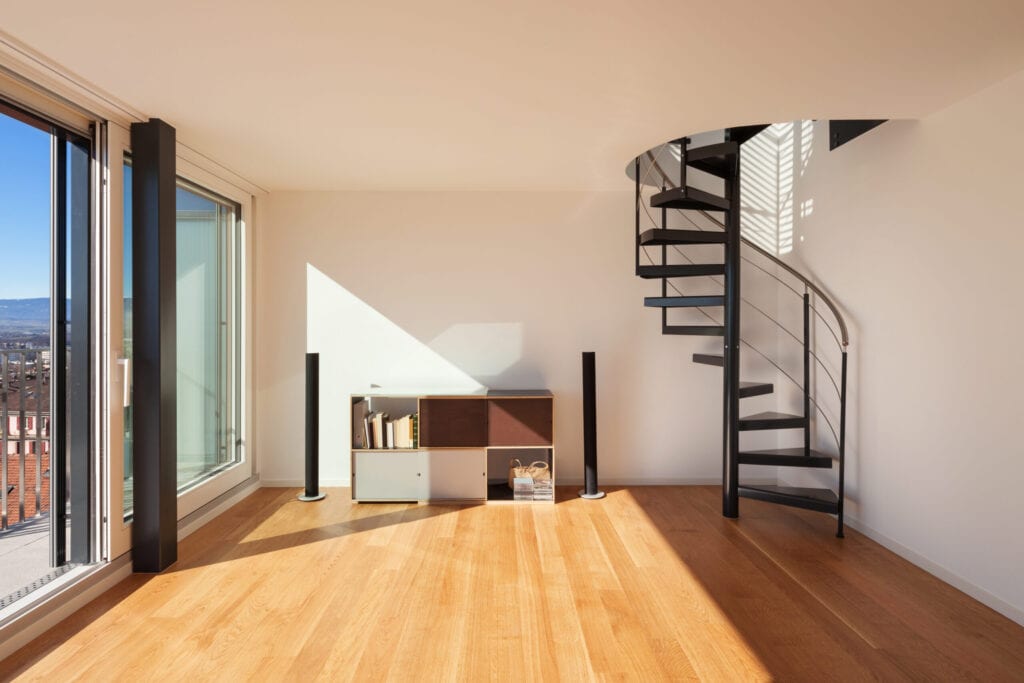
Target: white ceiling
{"x": 521, "y": 94}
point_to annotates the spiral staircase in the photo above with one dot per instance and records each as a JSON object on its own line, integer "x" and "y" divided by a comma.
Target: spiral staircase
{"x": 688, "y": 219}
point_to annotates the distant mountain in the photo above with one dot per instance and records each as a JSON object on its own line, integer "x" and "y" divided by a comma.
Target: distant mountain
{"x": 25, "y": 309}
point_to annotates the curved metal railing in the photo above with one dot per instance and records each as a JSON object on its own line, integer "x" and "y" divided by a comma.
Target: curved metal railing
{"x": 844, "y": 337}
{"x": 841, "y": 336}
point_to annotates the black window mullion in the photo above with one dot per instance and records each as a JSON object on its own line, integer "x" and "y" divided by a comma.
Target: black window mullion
{"x": 59, "y": 358}
{"x": 80, "y": 391}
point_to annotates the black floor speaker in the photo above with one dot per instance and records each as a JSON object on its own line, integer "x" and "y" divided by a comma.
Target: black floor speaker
{"x": 590, "y": 490}
{"x": 312, "y": 491}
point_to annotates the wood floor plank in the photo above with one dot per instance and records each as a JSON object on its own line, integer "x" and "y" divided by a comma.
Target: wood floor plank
{"x": 651, "y": 583}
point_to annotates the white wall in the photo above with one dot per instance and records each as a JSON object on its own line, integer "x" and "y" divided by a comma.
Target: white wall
{"x": 918, "y": 229}
{"x": 915, "y": 227}
{"x": 442, "y": 291}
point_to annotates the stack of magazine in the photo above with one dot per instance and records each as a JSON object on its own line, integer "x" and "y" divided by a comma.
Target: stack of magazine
{"x": 522, "y": 488}
{"x": 528, "y": 488}
{"x": 543, "y": 489}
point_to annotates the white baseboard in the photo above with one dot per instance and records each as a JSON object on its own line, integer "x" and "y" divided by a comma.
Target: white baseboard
{"x": 960, "y": 583}
{"x": 562, "y": 481}
{"x": 299, "y": 483}
{"x": 661, "y": 481}
{"x": 61, "y": 604}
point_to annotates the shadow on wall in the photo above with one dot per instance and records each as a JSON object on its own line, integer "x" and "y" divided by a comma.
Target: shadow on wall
{"x": 362, "y": 351}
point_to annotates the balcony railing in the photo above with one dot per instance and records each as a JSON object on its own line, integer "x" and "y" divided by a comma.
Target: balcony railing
{"x": 24, "y": 435}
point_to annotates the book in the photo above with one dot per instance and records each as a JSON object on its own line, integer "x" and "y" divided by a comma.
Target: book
{"x": 360, "y": 409}
{"x": 378, "y": 430}
{"x": 407, "y": 431}
{"x": 404, "y": 437}
{"x": 389, "y": 434}
{"x": 368, "y": 430}
{"x": 416, "y": 430}
{"x": 400, "y": 431}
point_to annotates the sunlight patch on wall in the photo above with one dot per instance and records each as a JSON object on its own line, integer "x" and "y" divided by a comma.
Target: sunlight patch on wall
{"x": 770, "y": 164}
{"x": 362, "y": 351}
{"x": 759, "y": 172}
{"x": 483, "y": 349}
{"x": 787, "y": 166}
{"x": 367, "y": 349}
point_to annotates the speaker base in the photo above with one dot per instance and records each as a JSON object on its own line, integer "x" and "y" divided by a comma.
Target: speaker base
{"x": 592, "y": 496}
{"x": 309, "y": 499}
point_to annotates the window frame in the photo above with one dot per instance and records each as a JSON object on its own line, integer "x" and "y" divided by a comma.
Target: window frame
{"x": 204, "y": 492}
{"x": 226, "y": 477}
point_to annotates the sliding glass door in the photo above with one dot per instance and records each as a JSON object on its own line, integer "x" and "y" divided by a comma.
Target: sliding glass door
{"x": 48, "y": 484}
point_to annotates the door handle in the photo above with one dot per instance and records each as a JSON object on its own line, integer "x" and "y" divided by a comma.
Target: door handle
{"x": 126, "y": 381}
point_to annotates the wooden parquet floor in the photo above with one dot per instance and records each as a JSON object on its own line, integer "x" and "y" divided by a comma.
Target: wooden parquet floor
{"x": 649, "y": 584}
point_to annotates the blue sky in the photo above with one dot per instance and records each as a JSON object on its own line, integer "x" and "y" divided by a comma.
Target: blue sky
{"x": 24, "y": 210}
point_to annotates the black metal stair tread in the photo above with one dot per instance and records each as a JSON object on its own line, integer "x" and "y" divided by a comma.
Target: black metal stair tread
{"x": 771, "y": 420}
{"x": 717, "y": 150}
{"x": 689, "y": 198}
{"x": 741, "y": 134}
{"x": 681, "y": 270}
{"x": 748, "y": 389}
{"x": 709, "y": 359}
{"x": 694, "y": 330}
{"x": 821, "y": 500}
{"x": 659, "y": 236}
{"x": 715, "y": 159}
{"x": 683, "y": 301}
{"x": 716, "y": 166}
{"x": 770, "y": 415}
{"x": 786, "y": 457}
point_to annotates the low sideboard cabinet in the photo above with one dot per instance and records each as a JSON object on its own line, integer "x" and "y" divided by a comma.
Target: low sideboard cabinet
{"x": 461, "y": 450}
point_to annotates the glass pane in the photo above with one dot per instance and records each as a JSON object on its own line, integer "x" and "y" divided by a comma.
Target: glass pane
{"x": 126, "y": 288}
{"x": 78, "y": 395}
{"x": 25, "y": 220}
{"x": 206, "y": 306}
{"x": 46, "y": 480}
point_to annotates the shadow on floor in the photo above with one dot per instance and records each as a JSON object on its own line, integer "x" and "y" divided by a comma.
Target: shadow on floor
{"x": 360, "y": 517}
{"x": 807, "y": 602}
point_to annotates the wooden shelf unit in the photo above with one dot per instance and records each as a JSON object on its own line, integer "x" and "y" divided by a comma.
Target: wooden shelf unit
{"x": 465, "y": 446}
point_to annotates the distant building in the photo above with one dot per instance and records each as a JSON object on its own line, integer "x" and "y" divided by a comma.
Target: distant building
{"x": 25, "y": 434}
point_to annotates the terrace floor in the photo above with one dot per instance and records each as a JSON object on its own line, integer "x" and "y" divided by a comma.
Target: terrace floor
{"x": 24, "y": 555}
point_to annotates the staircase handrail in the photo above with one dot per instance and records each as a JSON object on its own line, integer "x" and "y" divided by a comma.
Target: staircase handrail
{"x": 843, "y": 331}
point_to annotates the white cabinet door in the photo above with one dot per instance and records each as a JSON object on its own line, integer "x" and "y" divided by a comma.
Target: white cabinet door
{"x": 456, "y": 474}
{"x": 390, "y": 476}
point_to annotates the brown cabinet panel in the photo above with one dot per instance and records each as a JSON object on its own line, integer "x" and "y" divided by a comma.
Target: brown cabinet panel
{"x": 453, "y": 422}
{"x": 519, "y": 422}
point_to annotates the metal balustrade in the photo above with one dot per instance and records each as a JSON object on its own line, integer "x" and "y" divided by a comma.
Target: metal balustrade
{"x": 24, "y": 434}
